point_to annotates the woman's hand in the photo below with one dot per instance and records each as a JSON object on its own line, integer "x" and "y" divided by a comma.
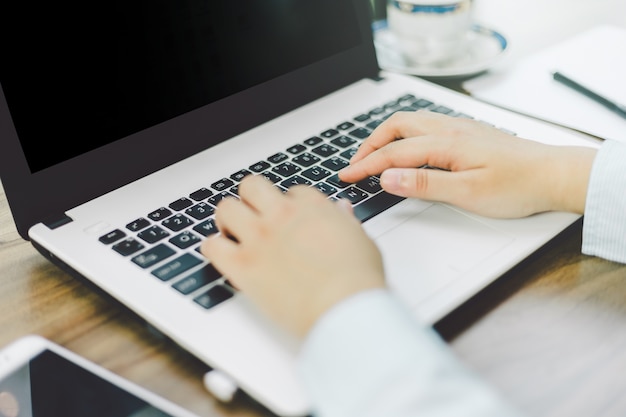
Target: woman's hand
{"x": 294, "y": 254}
{"x": 479, "y": 168}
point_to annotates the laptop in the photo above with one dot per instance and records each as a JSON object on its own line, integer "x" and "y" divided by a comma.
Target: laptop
{"x": 122, "y": 125}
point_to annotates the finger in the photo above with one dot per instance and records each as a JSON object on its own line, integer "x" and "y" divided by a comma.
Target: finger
{"x": 306, "y": 192}
{"x": 234, "y": 218}
{"x": 222, "y": 252}
{"x": 427, "y": 184}
{"x": 407, "y": 153}
{"x": 258, "y": 192}
{"x": 400, "y": 125}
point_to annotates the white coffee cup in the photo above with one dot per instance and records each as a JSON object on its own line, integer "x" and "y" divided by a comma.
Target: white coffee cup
{"x": 430, "y": 32}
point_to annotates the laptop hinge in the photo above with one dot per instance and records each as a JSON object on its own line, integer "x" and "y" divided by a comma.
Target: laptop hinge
{"x": 57, "y": 221}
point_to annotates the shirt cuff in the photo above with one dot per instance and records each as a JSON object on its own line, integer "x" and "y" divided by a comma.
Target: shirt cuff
{"x": 604, "y": 223}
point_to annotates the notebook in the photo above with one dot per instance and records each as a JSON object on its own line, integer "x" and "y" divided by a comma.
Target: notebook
{"x": 123, "y": 124}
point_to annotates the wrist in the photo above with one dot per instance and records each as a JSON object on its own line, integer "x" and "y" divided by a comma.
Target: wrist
{"x": 571, "y": 178}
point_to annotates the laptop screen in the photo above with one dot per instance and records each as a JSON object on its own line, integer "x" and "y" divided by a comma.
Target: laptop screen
{"x": 97, "y": 95}
{"x": 90, "y": 73}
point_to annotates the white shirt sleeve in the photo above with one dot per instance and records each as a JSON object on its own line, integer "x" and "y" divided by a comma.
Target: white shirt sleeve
{"x": 369, "y": 357}
{"x": 604, "y": 224}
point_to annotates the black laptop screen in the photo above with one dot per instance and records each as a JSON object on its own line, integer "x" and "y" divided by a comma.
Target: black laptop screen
{"x": 80, "y": 75}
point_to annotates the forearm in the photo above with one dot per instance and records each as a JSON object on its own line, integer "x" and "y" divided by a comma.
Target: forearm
{"x": 368, "y": 357}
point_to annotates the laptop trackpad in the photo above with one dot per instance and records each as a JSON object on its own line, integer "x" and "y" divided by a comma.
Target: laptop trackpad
{"x": 434, "y": 247}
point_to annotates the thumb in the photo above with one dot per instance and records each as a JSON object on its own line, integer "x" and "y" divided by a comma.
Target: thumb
{"x": 427, "y": 184}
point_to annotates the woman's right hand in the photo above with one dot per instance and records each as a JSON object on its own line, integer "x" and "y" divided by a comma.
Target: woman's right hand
{"x": 479, "y": 168}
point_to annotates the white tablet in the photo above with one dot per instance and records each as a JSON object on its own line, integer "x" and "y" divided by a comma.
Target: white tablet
{"x": 41, "y": 379}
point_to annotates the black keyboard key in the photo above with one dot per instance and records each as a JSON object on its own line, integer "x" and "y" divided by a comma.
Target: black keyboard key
{"x": 345, "y": 126}
{"x": 153, "y": 234}
{"x": 442, "y": 110}
{"x": 374, "y": 124}
{"x": 201, "y": 194}
{"x": 239, "y": 175}
{"x": 153, "y": 256}
{"x": 343, "y": 141}
{"x": 392, "y": 105}
{"x": 213, "y": 297}
{"x": 360, "y": 133}
{"x": 407, "y": 98}
{"x": 295, "y": 180}
{"x": 200, "y": 211}
{"x": 278, "y": 157}
{"x": 377, "y": 111}
{"x": 177, "y": 222}
{"x": 206, "y": 228}
{"x": 184, "y": 240}
{"x": 336, "y": 182}
{"x": 353, "y": 195}
{"x": 421, "y": 104}
{"x": 219, "y": 197}
{"x": 329, "y": 133}
{"x": 371, "y": 185}
{"x": 362, "y": 118}
{"x": 348, "y": 154}
{"x": 335, "y": 164}
{"x": 160, "y": 214}
{"x": 325, "y": 188}
{"x": 271, "y": 176}
{"x": 375, "y": 205}
{"x": 198, "y": 279}
{"x": 112, "y": 236}
{"x": 316, "y": 173}
{"x": 306, "y": 159}
{"x": 312, "y": 141}
{"x": 325, "y": 150}
{"x": 296, "y": 149}
{"x": 222, "y": 184}
{"x": 128, "y": 247}
{"x": 176, "y": 267}
{"x": 286, "y": 169}
{"x": 180, "y": 204}
{"x": 138, "y": 224}
{"x": 259, "y": 166}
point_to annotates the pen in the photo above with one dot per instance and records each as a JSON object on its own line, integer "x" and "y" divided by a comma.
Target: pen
{"x": 611, "y": 105}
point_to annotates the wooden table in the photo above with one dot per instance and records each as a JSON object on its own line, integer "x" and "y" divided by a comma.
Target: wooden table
{"x": 550, "y": 334}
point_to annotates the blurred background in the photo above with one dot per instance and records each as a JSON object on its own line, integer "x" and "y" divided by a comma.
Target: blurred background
{"x": 379, "y": 8}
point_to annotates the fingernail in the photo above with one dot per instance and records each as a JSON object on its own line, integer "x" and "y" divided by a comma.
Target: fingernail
{"x": 391, "y": 179}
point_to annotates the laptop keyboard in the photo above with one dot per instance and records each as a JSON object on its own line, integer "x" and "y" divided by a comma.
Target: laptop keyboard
{"x": 166, "y": 241}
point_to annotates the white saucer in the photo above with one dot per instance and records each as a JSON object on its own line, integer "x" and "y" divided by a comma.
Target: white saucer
{"x": 486, "y": 46}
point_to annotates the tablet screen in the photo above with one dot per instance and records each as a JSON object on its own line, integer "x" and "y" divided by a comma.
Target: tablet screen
{"x": 51, "y": 386}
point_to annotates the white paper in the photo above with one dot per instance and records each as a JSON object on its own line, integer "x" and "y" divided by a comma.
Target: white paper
{"x": 595, "y": 59}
